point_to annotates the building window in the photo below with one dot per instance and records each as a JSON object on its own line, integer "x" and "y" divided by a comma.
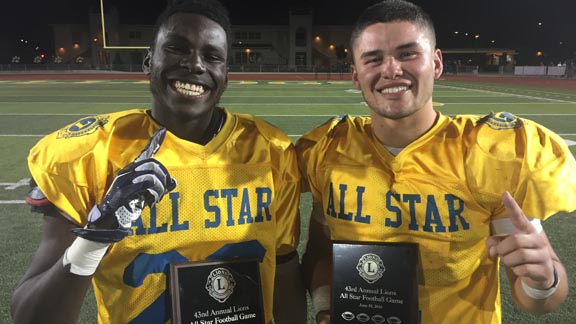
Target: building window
{"x": 254, "y": 35}
{"x": 300, "y": 58}
{"x": 301, "y": 37}
{"x": 254, "y": 57}
{"x": 134, "y": 35}
{"x": 247, "y": 57}
{"x": 240, "y": 35}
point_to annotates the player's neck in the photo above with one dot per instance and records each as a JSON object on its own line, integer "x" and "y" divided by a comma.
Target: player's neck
{"x": 214, "y": 127}
{"x": 400, "y": 133}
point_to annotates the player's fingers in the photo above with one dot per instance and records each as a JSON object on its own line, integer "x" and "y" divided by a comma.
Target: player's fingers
{"x": 516, "y": 215}
{"x": 154, "y": 167}
{"x": 153, "y": 145}
{"x": 492, "y": 244}
{"x": 171, "y": 185}
{"x": 152, "y": 185}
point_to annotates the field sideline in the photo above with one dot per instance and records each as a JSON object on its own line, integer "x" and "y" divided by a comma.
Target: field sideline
{"x": 32, "y": 106}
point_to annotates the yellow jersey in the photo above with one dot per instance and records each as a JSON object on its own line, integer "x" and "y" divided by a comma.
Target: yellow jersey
{"x": 442, "y": 191}
{"x": 241, "y": 189}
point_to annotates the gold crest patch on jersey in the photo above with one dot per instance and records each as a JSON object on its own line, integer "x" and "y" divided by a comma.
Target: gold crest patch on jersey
{"x": 501, "y": 120}
{"x": 83, "y": 127}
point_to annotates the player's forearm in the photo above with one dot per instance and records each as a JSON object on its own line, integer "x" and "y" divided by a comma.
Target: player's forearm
{"x": 317, "y": 262}
{"x": 540, "y": 306}
{"x": 54, "y": 296}
{"x": 317, "y": 271}
{"x": 317, "y": 259}
{"x": 319, "y": 280}
{"x": 289, "y": 293}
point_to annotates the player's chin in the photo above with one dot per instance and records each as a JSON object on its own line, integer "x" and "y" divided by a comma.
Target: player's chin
{"x": 394, "y": 111}
{"x": 191, "y": 108}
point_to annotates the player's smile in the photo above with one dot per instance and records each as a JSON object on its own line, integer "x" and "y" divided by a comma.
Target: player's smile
{"x": 394, "y": 91}
{"x": 188, "y": 89}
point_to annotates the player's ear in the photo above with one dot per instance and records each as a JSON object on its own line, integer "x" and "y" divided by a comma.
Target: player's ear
{"x": 147, "y": 62}
{"x": 354, "y": 76}
{"x": 438, "y": 65}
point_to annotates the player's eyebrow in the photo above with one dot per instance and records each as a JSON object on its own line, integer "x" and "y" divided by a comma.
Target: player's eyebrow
{"x": 378, "y": 52}
{"x": 370, "y": 54}
{"x": 408, "y": 45}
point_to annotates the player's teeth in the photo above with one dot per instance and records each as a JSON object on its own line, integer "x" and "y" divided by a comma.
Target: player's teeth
{"x": 188, "y": 89}
{"x": 394, "y": 89}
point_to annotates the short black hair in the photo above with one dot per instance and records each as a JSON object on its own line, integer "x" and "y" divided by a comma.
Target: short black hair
{"x": 392, "y": 10}
{"x": 211, "y": 9}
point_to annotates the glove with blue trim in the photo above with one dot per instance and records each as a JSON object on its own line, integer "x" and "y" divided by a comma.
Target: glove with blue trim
{"x": 142, "y": 183}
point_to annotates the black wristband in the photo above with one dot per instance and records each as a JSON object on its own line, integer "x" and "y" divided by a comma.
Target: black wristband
{"x": 286, "y": 257}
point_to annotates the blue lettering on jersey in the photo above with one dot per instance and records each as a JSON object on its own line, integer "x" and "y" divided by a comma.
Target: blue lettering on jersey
{"x": 245, "y": 213}
{"x": 395, "y": 211}
{"x": 263, "y": 201}
{"x": 433, "y": 216}
{"x": 218, "y": 203}
{"x": 456, "y": 212}
{"x": 330, "y": 206}
{"x": 412, "y": 200}
{"x": 156, "y": 228}
{"x": 358, "y": 217}
{"x": 341, "y": 214}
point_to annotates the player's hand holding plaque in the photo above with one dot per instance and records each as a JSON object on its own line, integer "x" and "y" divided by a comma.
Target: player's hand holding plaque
{"x": 216, "y": 292}
{"x": 375, "y": 283}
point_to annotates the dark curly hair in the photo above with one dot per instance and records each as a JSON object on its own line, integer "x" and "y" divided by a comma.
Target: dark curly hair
{"x": 211, "y": 9}
{"x": 393, "y": 10}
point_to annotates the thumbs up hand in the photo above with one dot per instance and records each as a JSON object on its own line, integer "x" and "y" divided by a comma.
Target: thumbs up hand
{"x": 526, "y": 251}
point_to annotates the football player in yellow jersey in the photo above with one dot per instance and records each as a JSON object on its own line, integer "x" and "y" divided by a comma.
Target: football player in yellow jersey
{"x": 470, "y": 190}
{"x": 218, "y": 186}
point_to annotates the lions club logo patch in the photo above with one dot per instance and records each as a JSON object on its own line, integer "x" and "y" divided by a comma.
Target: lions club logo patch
{"x": 370, "y": 267}
{"x": 220, "y": 284}
{"x": 83, "y": 127}
{"x": 502, "y": 120}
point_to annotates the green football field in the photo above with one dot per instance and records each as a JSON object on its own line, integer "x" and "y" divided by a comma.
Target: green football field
{"x": 31, "y": 109}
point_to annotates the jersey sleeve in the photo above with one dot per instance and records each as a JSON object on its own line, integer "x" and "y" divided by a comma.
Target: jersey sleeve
{"x": 287, "y": 187}
{"x": 548, "y": 182}
{"x": 63, "y": 181}
{"x": 288, "y": 203}
{"x": 308, "y": 148}
{"x": 520, "y": 156}
{"x": 74, "y": 165}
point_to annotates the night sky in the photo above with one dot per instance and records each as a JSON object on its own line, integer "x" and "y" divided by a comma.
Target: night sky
{"x": 525, "y": 25}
